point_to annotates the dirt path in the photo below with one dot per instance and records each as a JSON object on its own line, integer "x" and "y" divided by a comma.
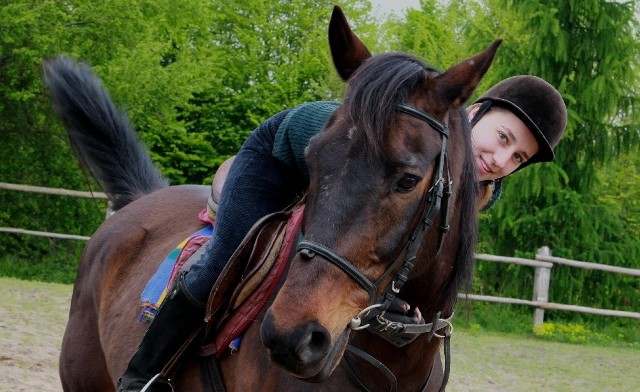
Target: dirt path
{"x": 32, "y": 320}
{"x": 33, "y": 316}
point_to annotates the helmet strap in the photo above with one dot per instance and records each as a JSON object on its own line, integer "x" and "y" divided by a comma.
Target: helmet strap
{"x": 482, "y": 110}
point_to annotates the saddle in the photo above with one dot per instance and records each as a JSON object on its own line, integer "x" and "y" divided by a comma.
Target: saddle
{"x": 249, "y": 278}
{"x": 251, "y": 275}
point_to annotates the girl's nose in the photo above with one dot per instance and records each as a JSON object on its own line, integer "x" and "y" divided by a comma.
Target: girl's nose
{"x": 501, "y": 158}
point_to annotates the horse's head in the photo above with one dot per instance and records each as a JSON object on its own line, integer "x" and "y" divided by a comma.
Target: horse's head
{"x": 379, "y": 170}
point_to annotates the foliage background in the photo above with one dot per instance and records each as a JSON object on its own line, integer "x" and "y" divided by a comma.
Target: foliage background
{"x": 197, "y": 76}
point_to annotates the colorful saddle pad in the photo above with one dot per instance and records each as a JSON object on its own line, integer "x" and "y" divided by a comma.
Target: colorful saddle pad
{"x": 161, "y": 282}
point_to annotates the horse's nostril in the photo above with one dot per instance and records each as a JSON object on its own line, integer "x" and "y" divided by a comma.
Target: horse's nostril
{"x": 305, "y": 345}
{"x": 313, "y": 344}
{"x": 318, "y": 338}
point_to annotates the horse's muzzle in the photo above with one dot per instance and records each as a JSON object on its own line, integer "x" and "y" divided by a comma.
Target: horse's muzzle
{"x": 303, "y": 351}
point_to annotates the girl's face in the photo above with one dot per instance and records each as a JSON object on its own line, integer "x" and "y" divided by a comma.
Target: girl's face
{"x": 501, "y": 143}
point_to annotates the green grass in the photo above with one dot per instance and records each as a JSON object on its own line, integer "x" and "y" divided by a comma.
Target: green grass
{"x": 489, "y": 361}
{"x": 563, "y": 327}
{"x": 49, "y": 260}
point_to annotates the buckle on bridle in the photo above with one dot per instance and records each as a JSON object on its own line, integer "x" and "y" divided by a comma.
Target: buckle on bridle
{"x": 355, "y": 323}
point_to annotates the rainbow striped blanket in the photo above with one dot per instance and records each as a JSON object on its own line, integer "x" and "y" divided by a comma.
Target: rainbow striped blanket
{"x": 161, "y": 282}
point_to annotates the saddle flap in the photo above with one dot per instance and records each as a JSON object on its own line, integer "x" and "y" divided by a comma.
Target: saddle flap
{"x": 252, "y": 274}
{"x": 230, "y": 277}
{"x": 251, "y": 263}
{"x": 264, "y": 253}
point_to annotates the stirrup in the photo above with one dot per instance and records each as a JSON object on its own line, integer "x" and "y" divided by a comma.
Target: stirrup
{"x": 159, "y": 380}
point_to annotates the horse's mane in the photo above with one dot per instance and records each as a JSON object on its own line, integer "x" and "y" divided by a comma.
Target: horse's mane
{"x": 375, "y": 89}
{"x": 467, "y": 212}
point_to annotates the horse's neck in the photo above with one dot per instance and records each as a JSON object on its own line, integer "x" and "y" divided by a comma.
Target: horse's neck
{"x": 410, "y": 365}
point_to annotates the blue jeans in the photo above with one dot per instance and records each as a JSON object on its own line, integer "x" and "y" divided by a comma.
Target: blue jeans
{"x": 257, "y": 185}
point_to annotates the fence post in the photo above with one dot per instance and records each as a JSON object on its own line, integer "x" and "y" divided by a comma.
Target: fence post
{"x": 541, "y": 287}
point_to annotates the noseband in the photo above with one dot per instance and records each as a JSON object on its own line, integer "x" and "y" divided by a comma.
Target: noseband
{"x": 436, "y": 197}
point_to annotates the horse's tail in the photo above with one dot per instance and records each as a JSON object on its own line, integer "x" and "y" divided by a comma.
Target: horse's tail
{"x": 100, "y": 134}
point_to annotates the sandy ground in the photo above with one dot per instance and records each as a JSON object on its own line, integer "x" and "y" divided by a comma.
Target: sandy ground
{"x": 32, "y": 321}
{"x": 33, "y": 316}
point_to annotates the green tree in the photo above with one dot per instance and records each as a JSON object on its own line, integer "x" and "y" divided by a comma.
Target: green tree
{"x": 140, "y": 48}
{"x": 589, "y": 51}
{"x": 195, "y": 77}
{"x": 277, "y": 56}
{"x": 433, "y": 33}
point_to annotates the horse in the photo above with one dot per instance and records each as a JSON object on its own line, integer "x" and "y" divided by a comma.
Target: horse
{"x": 389, "y": 212}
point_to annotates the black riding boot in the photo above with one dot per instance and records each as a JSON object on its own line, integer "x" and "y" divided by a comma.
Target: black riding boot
{"x": 178, "y": 317}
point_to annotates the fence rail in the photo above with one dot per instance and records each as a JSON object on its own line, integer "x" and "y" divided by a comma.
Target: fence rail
{"x": 543, "y": 264}
{"x": 52, "y": 191}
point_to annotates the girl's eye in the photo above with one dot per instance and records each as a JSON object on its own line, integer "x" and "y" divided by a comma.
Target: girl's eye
{"x": 503, "y": 137}
{"x": 519, "y": 158}
{"x": 406, "y": 184}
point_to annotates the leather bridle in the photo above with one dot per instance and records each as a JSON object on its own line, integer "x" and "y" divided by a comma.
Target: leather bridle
{"x": 437, "y": 199}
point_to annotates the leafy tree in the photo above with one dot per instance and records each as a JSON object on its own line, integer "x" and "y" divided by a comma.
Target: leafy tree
{"x": 589, "y": 51}
{"x": 117, "y": 36}
{"x": 195, "y": 77}
{"x": 276, "y": 57}
{"x": 433, "y": 33}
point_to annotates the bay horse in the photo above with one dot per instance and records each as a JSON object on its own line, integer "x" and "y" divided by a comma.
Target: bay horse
{"x": 391, "y": 173}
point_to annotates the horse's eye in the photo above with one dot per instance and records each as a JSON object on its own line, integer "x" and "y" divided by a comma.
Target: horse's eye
{"x": 406, "y": 184}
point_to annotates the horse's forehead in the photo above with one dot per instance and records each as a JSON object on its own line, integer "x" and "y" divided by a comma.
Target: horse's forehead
{"x": 406, "y": 141}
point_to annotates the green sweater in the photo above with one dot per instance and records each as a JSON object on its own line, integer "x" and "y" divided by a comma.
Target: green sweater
{"x": 295, "y": 130}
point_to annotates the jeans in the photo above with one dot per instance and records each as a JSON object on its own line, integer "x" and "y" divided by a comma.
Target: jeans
{"x": 257, "y": 185}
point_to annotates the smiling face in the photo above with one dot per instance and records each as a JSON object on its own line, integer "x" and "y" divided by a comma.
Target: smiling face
{"x": 501, "y": 143}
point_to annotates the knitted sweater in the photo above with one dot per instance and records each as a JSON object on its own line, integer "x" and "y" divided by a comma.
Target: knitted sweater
{"x": 295, "y": 130}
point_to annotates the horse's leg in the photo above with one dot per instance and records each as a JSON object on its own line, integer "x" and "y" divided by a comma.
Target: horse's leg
{"x": 82, "y": 362}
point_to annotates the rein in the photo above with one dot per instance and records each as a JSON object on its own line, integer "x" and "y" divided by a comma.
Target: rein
{"x": 436, "y": 197}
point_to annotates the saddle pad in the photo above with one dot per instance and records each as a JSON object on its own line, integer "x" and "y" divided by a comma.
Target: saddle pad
{"x": 161, "y": 282}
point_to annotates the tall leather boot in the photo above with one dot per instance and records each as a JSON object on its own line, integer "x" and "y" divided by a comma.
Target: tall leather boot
{"x": 178, "y": 317}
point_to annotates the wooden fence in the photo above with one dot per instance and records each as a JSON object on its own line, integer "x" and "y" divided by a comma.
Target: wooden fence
{"x": 543, "y": 264}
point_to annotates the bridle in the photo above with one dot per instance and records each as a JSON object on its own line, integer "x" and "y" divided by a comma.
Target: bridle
{"x": 437, "y": 199}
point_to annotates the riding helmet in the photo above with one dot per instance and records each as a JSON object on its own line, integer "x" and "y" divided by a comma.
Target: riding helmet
{"x": 537, "y": 103}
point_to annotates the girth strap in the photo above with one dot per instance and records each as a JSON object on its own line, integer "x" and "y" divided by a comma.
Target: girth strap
{"x": 212, "y": 380}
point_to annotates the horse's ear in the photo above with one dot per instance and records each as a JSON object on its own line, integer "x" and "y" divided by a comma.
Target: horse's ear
{"x": 456, "y": 85}
{"x": 347, "y": 50}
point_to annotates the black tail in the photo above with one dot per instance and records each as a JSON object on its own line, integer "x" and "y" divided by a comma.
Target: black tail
{"x": 101, "y": 136}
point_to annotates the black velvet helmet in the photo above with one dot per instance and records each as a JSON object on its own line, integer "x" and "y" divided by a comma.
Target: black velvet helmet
{"x": 537, "y": 103}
